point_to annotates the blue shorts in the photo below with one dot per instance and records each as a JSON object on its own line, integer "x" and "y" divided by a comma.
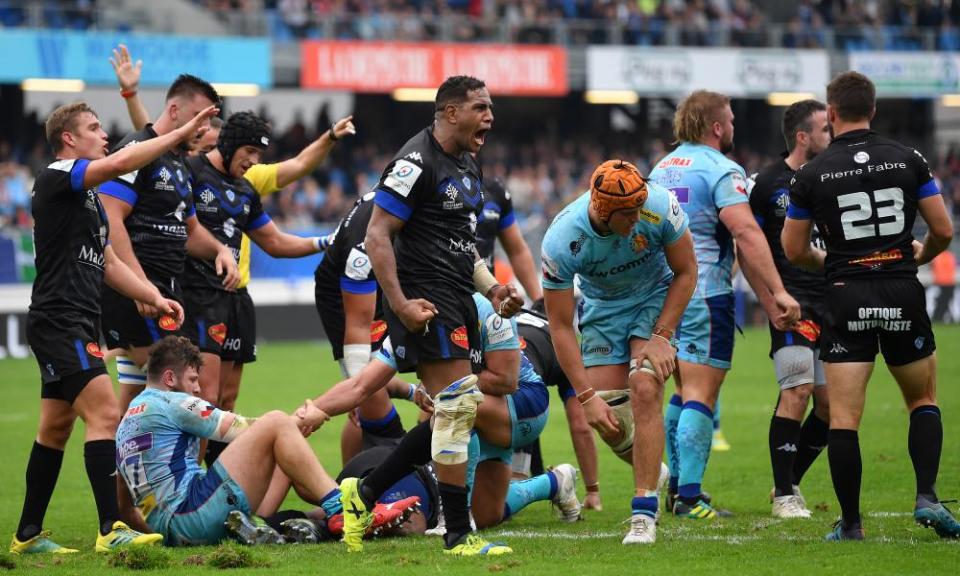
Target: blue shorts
{"x": 199, "y": 518}
{"x": 606, "y": 327}
{"x": 529, "y": 407}
{"x": 705, "y": 334}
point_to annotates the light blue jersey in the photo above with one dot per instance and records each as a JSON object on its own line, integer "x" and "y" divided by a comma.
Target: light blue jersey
{"x": 158, "y": 442}
{"x": 612, "y": 269}
{"x": 704, "y": 181}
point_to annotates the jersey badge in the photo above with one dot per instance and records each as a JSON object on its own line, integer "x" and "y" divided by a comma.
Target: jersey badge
{"x": 640, "y": 242}
{"x": 459, "y": 337}
{"x": 167, "y": 323}
{"x": 808, "y": 329}
{"x": 93, "y": 349}
{"x": 218, "y": 332}
{"x": 402, "y": 177}
{"x": 377, "y": 330}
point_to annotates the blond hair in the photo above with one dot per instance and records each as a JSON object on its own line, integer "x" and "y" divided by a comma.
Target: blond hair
{"x": 696, "y": 113}
{"x": 64, "y": 119}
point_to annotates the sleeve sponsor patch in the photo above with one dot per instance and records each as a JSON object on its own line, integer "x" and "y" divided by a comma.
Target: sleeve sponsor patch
{"x": 499, "y": 330}
{"x": 358, "y": 265}
{"x": 402, "y": 177}
{"x": 197, "y": 406}
{"x": 739, "y": 183}
{"x": 675, "y": 217}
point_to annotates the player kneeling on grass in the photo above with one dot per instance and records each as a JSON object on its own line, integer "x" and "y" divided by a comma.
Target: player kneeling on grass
{"x": 158, "y": 442}
{"x": 627, "y": 240}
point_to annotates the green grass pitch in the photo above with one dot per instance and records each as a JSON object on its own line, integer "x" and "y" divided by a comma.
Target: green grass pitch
{"x": 740, "y": 480}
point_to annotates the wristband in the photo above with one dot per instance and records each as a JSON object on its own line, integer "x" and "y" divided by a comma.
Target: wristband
{"x": 483, "y": 280}
{"x": 587, "y": 401}
{"x": 595, "y": 487}
{"x": 664, "y": 338}
{"x": 663, "y": 332}
{"x": 333, "y": 135}
{"x": 584, "y": 393}
{"x": 125, "y": 94}
{"x": 413, "y": 391}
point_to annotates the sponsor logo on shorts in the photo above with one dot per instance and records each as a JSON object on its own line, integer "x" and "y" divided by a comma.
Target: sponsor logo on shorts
{"x": 808, "y": 329}
{"x": 218, "y": 332}
{"x": 168, "y": 323}
{"x": 93, "y": 349}
{"x": 838, "y": 348}
{"x": 888, "y": 319}
{"x": 693, "y": 349}
{"x": 640, "y": 242}
{"x": 459, "y": 337}
{"x": 139, "y": 409}
{"x": 232, "y": 344}
{"x": 604, "y": 350}
{"x": 377, "y": 330}
{"x": 401, "y": 352}
{"x": 877, "y": 259}
{"x": 918, "y": 343}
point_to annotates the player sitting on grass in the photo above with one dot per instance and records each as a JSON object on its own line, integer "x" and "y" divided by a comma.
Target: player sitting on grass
{"x": 158, "y": 443}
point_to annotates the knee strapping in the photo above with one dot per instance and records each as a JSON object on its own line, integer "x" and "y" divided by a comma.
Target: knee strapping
{"x": 619, "y": 402}
{"x": 454, "y": 412}
{"x": 129, "y": 373}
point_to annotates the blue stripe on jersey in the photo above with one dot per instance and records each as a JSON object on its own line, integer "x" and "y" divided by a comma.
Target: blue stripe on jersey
{"x": 77, "y": 173}
{"x": 506, "y": 221}
{"x": 789, "y": 338}
{"x": 798, "y": 213}
{"x": 389, "y": 202}
{"x": 352, "y": 286}
{"x": 178, "y": 461}
{"x": 760, "y": 220}
{"x": 721, "y": 345}
{"x": 365, "y": 423}
{"x": 119, "y": 191}
{"x": 81, "y": 353}
{"x": 444, "y": 345}
{"x": 191, "y": 212}
{"x": 928, "y": 189}
{"x": 260, "y": 221}
{"x": 152, "y": 329}
{"x": 200, "y": 490}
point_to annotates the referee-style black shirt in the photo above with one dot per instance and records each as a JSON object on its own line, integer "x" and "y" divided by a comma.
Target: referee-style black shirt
{"x": 769, "y": 198}
{"x": 862, "y": 192}
{"x": 162, "y": 199}
{"x": 70, "y": 232}
{"x": 440, "y": 198}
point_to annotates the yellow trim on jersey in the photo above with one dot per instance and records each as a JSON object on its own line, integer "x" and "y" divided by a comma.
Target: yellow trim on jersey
{"x": 263, "y": 178}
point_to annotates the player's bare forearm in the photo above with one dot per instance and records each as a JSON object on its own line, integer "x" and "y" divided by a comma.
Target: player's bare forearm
{"x": 200, "y": 242}
{"x": 121, "y": 278}
{"x": 348, "y": 394}
{"x": 501, "y": 374}
{"x": 139, "y": 116}
{"x": 939, "y": 227}
{"x": 683, "y": 262}
{"x": 560, "y": 305}
{"x": 522, "y": 261}
{"x": 117, "y": 211}
{"x": 358, "y": 313}
{"x": 757, "y": 261}
{"x": 305, "y": 162}
{"x": 280, "y": 244}
{"x": 795, "y": 239}
{"x": 381, "y": 231}
{"x": 932, "y": 246}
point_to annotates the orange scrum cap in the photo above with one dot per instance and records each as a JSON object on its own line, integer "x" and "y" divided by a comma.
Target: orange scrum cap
{"x": 616, "y": 185}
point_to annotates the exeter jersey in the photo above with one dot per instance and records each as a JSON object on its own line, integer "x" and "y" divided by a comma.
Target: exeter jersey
{"x": 162, "y": 200}
{"x": 497, "y": 215}
{"x": 862, "y": 193}
{"x": 769, "y": 198}
{"x": 439, "y": 196}
{"x": 704, "y": 182}
{"x": 158, "y": 442}
{"x": 612, "y": 268}
{"x": 70, "y": 233}
{"x": 225, "y": 206}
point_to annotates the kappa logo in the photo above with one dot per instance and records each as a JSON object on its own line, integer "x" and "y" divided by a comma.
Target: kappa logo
{"x": 167, "y": 322}
{"x": 415, "y": 156}
{"x": 377, "y": 330}
{"x": 459, "y": 337}
{"x": 218, "y": 332}
{"x": 788, "y": 447}
{"x": 838, "y": 348}
{"x": 93, "y": 349}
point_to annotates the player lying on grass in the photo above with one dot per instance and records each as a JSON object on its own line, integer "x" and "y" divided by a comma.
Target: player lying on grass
{"x": 158, "y": 443}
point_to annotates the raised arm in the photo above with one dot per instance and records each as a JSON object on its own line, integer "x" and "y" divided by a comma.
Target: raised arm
{"x": 128, "y": 77}
{"x": 316, "y": 152}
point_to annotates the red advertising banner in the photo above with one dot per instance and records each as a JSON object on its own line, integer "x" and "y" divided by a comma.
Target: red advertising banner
{"x": 384, "y": 66}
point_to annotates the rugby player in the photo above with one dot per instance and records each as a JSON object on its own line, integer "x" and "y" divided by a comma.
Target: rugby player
{"x": 154, "y": 226}
{"x": 422, "y": 243}
{"x": 158, "y": 444}
{"x": 227, "y": 206}
{"x": 347, "y": 301}
{"x": 796, "y": 352}
{"x": 627, "y": 241}
{"x": 74, "y": 259}
{"x": 712, "y": 190}
{"x": 864, "y": 193}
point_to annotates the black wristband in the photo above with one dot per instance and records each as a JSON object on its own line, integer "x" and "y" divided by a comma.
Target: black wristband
{"x": 333, "y": 135}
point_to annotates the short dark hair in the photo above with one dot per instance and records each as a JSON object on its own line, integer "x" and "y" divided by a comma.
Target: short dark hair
{"x": 455, "y": 89}
{"x": 797, "y": 118}
{"x": 64, "y": 119}
{"x": 189, "y": 85}
{"x": 852, "y": 95}
{"x": 172, "y": 353}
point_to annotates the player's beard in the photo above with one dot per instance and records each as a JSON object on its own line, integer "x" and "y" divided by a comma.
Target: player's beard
{"x": 726, "y": 147}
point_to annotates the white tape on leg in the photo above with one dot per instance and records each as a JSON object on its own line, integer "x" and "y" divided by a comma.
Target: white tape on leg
{"x": 619, "y": 402}
{"x": 129, "y": 373}
{"x": 454, "y": 412}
